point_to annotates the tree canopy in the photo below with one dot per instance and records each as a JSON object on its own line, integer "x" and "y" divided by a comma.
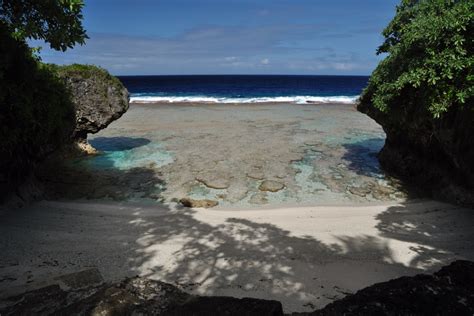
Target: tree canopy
{"x": 36, "y": 111}
{"x": 57, "y": 22}
{"x": 430, "y": 58}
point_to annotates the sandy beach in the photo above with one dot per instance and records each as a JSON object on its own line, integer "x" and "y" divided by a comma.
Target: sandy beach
{"x": 305, "y": 257}
{"x": 336, "y": 225}
{"x": 236, "y": 158}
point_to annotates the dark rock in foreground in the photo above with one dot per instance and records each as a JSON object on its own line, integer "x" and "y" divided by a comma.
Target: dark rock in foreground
{"x": 187, "y": 202}
{"x": 449, "y": 291}
{"x": 135, "y": 296}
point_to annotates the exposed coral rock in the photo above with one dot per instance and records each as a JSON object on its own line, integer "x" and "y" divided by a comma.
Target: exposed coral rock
{"x": 271, "y": 186}
{"x": 198, "y": 203}
{"x": 214, "y": 182}
{"x": 259, "y": 198}
{"x": 360, "y": 191}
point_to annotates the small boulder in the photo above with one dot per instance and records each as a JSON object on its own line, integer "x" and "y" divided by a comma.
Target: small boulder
{"x": 271, "y": 186}
{"x": 198, "y": 203}
{"x": 259, "y": 198}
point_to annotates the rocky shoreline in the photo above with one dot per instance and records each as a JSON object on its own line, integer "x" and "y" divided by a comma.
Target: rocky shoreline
{"x": 97, "y": 99}
{"x": 293, "y": 156}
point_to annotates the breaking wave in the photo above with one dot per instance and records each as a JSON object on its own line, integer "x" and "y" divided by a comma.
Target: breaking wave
{"x": 208, "y": 99}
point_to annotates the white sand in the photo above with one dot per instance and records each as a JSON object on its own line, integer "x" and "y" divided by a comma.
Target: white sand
{"x": 305, "y": 257}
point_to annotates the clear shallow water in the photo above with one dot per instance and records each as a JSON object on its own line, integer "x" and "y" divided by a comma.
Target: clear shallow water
{"x": 322, "y": 154}
{"x": 125, "y": 153}
{"x": 245, "y": 89}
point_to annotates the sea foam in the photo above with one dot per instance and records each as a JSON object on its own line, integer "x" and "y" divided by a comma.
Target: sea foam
{"x": 208, "y": 99}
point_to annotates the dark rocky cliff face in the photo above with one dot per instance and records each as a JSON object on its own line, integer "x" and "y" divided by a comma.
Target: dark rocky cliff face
{"x": 98, "y": 98}
{"x": 436, "y": 155}
{"x": 94, "y": 99}
{"x": 449, "y": 291}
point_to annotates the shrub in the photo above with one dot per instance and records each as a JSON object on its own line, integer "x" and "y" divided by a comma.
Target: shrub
{"x": 430, "y": 60}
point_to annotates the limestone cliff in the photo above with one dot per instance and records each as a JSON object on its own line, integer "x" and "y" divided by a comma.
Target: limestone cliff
{"x": 98, "y": 97}
{"x": 93, "y": 99}
{"x": 434, "y": 154}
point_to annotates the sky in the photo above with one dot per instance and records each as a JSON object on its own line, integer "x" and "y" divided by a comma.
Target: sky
{"x": 166, "y": 37}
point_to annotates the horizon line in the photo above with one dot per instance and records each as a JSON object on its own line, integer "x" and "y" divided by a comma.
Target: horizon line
{"x": 288, "y": 75}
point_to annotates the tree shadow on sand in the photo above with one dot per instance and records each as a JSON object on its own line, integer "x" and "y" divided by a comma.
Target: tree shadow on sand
{"x": 238, "y": 256}
{"x": 443, "y": 231}
{"x": 215, "y": 254}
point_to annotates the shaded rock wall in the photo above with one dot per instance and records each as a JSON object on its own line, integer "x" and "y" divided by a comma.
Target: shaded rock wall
{"x": 36, "y": 113}
{"x": 435, "y": 155}
{"x": 98, "y": 97}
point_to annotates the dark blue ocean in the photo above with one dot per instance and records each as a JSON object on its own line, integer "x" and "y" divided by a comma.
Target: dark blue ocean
{"x": 245, "y": 88}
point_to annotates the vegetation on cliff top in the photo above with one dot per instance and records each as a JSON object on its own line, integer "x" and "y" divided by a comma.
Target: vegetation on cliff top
{"x": 85, "y": 72}
{"x": 422, "y": 94}
{"x": 36, "y": 112}
{"x": 430, "y": 60}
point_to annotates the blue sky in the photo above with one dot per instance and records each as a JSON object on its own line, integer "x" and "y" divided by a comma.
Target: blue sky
{"x": 146, "y": 37}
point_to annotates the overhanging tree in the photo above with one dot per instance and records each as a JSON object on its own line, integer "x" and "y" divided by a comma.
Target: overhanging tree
{"x": 57, "y": 22}
{"x": 36, "y": 113}
{"x": 430, "y": 61}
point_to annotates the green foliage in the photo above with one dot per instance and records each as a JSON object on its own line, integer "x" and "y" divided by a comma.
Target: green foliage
{"x": 430, "y": 58}
{"x": 36, "y": 114}
{"x": 81, "y": 71}
{"x": 58, "y": 22}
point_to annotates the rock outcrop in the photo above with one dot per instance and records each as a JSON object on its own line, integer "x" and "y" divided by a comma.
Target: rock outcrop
{"x": 434, "y": 154}
{"x": 94, "y": 99}
{"x": 271, "y": 186}
{"x": 98, "y": 97}
{"x": 449, "y": 291}
{"x": 187, "y": 202}
{"x": 134, "y": 296}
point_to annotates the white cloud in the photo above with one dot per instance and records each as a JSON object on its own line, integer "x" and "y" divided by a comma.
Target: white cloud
{"x": 344, "y": 66}
{"x": 231, "y": 58}
{"x": 218, "y": 50}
